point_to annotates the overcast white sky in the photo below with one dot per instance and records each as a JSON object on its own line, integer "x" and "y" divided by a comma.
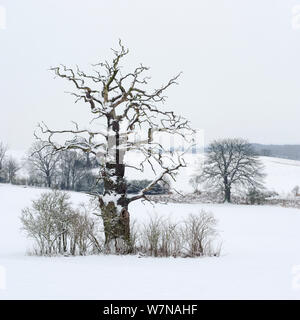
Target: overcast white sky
{"x": 240, "y": 61}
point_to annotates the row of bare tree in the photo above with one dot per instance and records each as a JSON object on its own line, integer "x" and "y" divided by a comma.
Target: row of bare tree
{"x": 8, "y": 165}
{"x": 65, "y": 170}
{"x": 68, "y": 170}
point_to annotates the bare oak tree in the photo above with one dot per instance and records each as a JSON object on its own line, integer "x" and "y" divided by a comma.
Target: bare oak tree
{"x": 232, "y": 162}
{"x": 122, "y": 109}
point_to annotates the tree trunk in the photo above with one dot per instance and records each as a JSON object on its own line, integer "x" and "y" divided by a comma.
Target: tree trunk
{"x": 227, "y": 194}
{"x": 48, "y": 181}
{"x": 227, "y": 189}
{"x": 116, "y": 228}
{"x": 114, "y": 202}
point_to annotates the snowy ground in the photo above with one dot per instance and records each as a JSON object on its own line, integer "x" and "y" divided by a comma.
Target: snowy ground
{"x": 261, "y": 245}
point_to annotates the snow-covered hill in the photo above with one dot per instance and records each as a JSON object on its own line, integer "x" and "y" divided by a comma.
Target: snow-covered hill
{"x": 261, "y": 248}
{"x": 282, "y": 175}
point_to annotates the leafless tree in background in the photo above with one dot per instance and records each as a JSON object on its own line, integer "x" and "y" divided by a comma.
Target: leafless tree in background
{"x": 43, "y": 160}
{"x": 120, "y": 103}
{"x": 73, "y": 167}
{"x": 232, "y": 162}
{"x": 3, "y": 150}
{"x": 11, "y": 167}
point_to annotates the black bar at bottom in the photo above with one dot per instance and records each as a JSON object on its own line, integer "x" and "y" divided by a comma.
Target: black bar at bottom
{"x": 134, "y": 309}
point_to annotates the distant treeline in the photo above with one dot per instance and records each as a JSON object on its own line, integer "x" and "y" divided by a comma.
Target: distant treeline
{"x": 291, "y": 152}
{"x": 66, "y": 170}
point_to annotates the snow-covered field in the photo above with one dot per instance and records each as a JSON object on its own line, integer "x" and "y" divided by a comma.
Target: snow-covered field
{"x": 261, "y": 246}
{"x": 282, "y": 174}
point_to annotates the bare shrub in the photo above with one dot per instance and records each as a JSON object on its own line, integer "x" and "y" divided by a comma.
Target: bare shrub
{"x": 151, "y": 234}
{"x": 198, "y": 233}
{"x": 57, "y": 228}
{"x": 134, "y": 237}
{"x": 193, "y": 237}
{"x": 81, "y": 231}
{"x": 45, "y": 221}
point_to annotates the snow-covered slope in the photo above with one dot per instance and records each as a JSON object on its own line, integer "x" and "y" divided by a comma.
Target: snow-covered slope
{"x": 261, "y": 245}
{"x": 282, "y": 175}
